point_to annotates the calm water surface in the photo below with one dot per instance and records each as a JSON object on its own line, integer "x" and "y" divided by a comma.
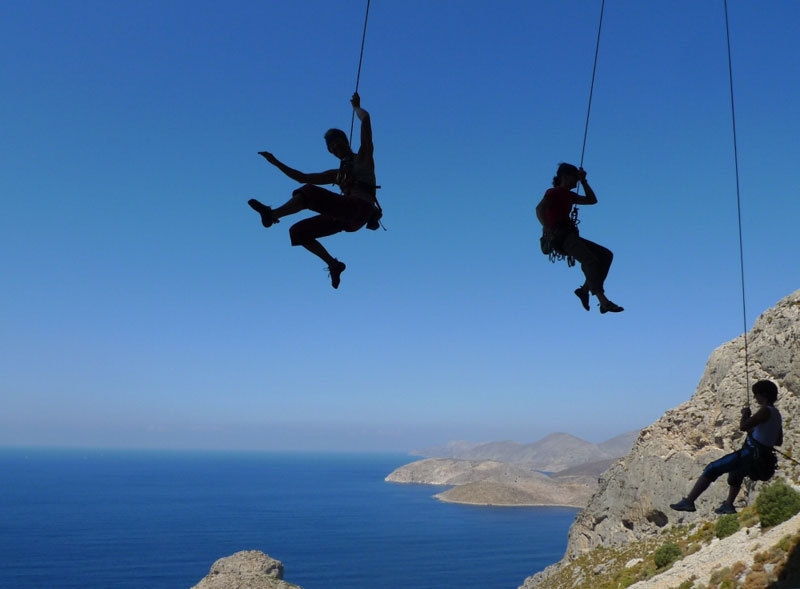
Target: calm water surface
{"x": 78, "y": 518}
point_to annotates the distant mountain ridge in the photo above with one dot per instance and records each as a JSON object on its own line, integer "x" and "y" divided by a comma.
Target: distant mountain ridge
{"x": 553, "y": 453}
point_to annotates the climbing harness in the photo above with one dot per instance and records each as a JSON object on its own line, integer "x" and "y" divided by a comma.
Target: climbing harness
{"x": 549, "y": 243}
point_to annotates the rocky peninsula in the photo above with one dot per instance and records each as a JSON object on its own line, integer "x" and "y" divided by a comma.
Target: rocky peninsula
{"x": 527, "y": 481}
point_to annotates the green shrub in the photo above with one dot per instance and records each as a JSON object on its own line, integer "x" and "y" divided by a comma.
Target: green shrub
{"x": 777, "y": 503}
{"x": 667, "y": 554}
{"x": 727, "y": 525}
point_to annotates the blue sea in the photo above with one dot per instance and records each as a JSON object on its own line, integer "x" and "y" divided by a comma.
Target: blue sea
{"x": 152, "y": 519}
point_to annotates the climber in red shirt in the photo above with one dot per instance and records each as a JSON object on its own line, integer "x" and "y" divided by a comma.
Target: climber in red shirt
{"x": 560, "y": 234}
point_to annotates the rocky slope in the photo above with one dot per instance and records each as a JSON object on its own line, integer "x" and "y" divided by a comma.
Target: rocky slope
{"x": 632, "y": 501}
{"x": 248, "y": 569}
{"x": 745, "y": 548}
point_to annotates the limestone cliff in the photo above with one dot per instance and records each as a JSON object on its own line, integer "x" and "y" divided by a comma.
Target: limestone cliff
{"x": 632, "y": 501}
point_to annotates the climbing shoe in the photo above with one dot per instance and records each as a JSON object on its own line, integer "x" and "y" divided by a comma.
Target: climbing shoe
{"x": 583, "y": 295}
{"x": 725, "y": 508}
{"x": 267, "y": 216}
{"x": 610, "y": 307}
{"x": 335, "y": 272}
{"x": 683, "y": 505}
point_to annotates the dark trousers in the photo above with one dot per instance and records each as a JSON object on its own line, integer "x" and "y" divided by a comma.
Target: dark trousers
{"x": 736, "y": 464}
{"x": 595, "y": 259}
{"x": 336, "y": 213}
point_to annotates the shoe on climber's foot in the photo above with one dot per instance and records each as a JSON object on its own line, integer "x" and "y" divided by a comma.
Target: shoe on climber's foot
{"x": 267, "y": 216}
{"x": 683, "y": 505}
{"x": 583, "y": 295}
{"x": 609, "y": 307}
{"x": 335, "y": 270}
{"x": 725, "y": 508}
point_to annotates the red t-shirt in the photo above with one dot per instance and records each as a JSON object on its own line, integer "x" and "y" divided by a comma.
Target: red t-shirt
{"x": 557, "y": 207}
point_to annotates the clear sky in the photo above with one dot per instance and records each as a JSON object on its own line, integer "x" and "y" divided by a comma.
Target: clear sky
{"x": 142, "y": 303}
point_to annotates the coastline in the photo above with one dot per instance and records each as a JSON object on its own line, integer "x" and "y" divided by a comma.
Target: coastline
{"x": 509, "y": 505}
{"x": 495, "y": 483}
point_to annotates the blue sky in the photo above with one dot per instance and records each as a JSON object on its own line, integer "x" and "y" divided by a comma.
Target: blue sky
{"x": 143, "y": 304}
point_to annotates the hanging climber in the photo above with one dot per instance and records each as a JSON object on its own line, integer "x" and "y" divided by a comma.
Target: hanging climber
{"x": 560, "y": 234}
{"x": 350, "y": 211}
{"x": 755, "y": 459}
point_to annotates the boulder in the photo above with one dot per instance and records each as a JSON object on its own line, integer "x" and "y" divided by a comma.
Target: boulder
{"x": 248, "y": 569}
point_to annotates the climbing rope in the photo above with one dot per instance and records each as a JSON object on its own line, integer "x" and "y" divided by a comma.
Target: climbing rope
{"x": 787, "y": 456}
{"x": 360, "y": 60}
{"x": 353, "y": 115}
{"x": 591, "y": 87}
{"x": 738, "y": 205}
{"x": 574, "y": 214}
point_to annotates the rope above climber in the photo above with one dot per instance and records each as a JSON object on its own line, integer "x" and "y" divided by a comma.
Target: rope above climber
{"x": 560, "y": 236}
{"x": 350, "y": 211}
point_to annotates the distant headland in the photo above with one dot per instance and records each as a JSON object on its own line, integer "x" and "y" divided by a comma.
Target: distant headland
{"x": 559, "y": 469}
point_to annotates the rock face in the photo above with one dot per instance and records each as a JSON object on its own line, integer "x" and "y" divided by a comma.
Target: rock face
{"x": 248, "y": 569}
{"x": 632, "y": 501}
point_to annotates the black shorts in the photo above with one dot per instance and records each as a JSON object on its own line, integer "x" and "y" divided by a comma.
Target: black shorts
{"x": 336, "y": 213}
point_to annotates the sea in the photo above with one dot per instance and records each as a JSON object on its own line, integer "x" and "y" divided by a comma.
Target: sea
{"x": 152, "y": 519}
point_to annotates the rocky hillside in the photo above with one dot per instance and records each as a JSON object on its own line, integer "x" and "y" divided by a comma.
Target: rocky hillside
{"x": 489, "y": 482}
{"x": 632, "y": 501}
{"x": 751, "y": 558}
{"x": 509, "y": 473}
